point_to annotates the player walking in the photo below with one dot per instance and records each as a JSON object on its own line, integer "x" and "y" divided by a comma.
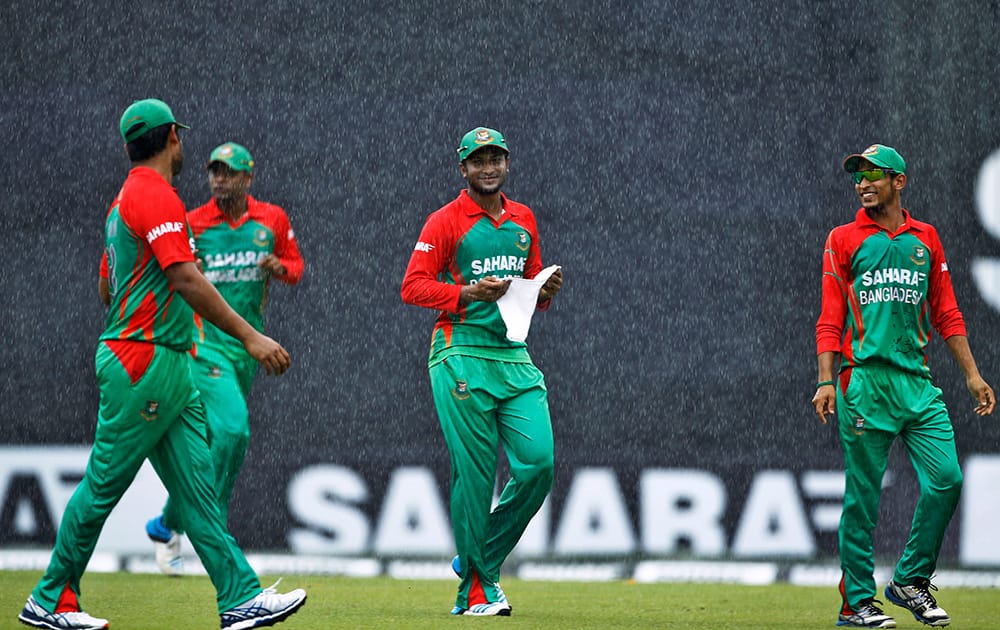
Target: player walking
{"x": 150, "y": 406}
{"x": 243, "y": 244}
{"x": 885, "y": 284}
{"x": 486, "y": 389}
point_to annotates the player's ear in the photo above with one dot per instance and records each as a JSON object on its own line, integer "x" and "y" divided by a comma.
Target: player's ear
{"x": 899, "y": 181}
{"x": 461, "y": 169}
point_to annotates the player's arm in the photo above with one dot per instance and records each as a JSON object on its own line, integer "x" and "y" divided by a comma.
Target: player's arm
{"x": 286, "y": 263}
{"x": 204, "y": 298}
{"x": 830, "y": 326}
{"x": 103, "y": 286}
{"x": 431, "y": 254}
{"x": 980, "y": 390}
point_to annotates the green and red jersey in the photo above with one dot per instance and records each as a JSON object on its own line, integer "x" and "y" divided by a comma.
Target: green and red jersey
{"x": 145, "y": 232}
{"x": 882, "y": 294}
{"x": 230, "y": 252}
{"x": 460, "y": 244}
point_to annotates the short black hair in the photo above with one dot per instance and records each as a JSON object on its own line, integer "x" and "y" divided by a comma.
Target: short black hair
{"x": 148, "y": 144}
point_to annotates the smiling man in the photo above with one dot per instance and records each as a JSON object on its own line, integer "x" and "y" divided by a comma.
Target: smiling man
{"x": 885, "y": 286}
{"x": 486, "y": 389}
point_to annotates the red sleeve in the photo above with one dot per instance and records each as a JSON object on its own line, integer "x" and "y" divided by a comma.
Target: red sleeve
{"x": 104, "y": 265}
{"x": 434, "y": 248}
{"x": 836, "y": 280}
{"x": 945, "y": 316}
{"x": 161, "y": 220}
{"x": 286, "y": 248}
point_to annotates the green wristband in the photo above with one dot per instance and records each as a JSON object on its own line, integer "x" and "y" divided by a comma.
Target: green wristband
{"x": 822, "y": 383}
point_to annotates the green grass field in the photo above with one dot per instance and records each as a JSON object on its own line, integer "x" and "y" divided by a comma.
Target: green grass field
{"x": 151, "y": 602}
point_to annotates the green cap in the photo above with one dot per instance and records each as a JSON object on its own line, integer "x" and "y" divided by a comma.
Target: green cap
{"x": 477, "y": 139}
{"x": 141, "y": 116}
{"x": 879, "y": 155}
{"x": 233, "y": 155}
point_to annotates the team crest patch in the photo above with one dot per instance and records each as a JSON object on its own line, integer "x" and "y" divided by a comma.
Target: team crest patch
{"x": 859, "y": 426}
{"x": 151, "y": 412}
{"x": 215, "y": 371}
{"x": 461, "y": 390}
{"x": 261, "y": 237}
{"x": 919, "y": 255}
{"x": 522, "y": 241}
{"x": 483, "y": 137}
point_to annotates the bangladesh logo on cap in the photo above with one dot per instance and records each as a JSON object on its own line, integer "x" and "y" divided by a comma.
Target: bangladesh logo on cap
{"x": 483, "y": 136}
{"x": 151, "y": 412}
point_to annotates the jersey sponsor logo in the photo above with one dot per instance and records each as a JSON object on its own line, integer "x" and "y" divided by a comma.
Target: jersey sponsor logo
{"x": 498, "y": 263}
{"x": 170, "y": 227}
{"x": 461, "y": 391}
{"x": 522, "y": 241}
{"x": 248, "y": 258}
{"x": 893, "y": 275}
{"x": 151, "y": 412}
{"x": 423, "y": 247}
{"x": 919, "y": 255}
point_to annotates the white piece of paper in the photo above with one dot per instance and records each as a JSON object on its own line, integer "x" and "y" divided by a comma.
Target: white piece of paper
{"x": 518, "y": 304}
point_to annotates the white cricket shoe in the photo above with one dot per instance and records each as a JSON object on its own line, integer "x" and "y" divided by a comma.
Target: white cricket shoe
{"x": 266, "y": 609}
{"x": 167, "y": 545}
{"x": 918, "y": 600}
{"x": 34, "y": 615}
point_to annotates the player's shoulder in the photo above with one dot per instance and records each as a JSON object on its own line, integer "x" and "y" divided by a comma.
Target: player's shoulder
{"x": 264, "y": 210}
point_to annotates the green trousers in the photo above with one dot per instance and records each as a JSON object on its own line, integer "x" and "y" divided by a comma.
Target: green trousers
{"x": 879, "y": 405}
{"x": 483, "y": 405}
{"x": 160, "y": 417}
{"x": 224, "y": 385}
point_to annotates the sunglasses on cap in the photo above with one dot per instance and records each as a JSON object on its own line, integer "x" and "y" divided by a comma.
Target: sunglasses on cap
{"x": 872, "y": 174}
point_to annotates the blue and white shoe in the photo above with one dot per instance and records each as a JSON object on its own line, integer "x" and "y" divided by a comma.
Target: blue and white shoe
{"x": 490, "y": 609}
{"x": 456, "y": 566}
{"x": 34, "y": 615}
{"x": 266, "y": 609}
{"x": 918, "y": 600}
{"x": 167, "y": 544}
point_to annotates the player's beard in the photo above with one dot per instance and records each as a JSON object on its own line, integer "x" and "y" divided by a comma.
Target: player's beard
{"x": 177, "y": 164}
{"x": 488, "y": 190}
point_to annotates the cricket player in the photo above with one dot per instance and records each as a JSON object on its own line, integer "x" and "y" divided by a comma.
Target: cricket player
{"x": 885, "y": 286}
{"x": 149, "y": 404}
{"x": 243, "y": 244}
{"x": 486, "y": 389}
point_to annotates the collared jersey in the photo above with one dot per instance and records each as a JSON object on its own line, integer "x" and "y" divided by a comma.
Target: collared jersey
{"x": 230, "y": 252}
{"x": 882, "y": 294}
{"x": 460, "y": 244}
{"x": 145, "y": 232}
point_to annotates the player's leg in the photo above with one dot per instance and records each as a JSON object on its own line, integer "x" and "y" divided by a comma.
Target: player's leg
{"x": 866, "y": 433}
{"x": 930, "y": 442}
{"x": 526, "y": 434}
{"x": 223, "y": 393}
{"x": 467, "y": 414}
{"x": 183, "y": 461}
{"x": 131, "y": 418}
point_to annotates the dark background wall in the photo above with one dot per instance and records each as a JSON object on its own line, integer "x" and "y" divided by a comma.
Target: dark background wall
{"x": 683, "y": 159}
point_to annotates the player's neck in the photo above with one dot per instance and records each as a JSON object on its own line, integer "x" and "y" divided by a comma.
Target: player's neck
{"x": 233, "y": 208}
{"x": 492, "y": 203}
{"x": 890, "y": 217}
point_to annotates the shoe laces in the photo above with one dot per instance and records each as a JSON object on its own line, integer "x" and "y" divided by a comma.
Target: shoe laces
{"x": 869, "y": 608}
{"x": 923, "y": 588}
{"x": 273, "y": 589}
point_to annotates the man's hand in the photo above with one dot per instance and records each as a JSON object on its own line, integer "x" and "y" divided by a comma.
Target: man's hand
{"x": 272, "y": 265}
{"x": 983, "y": 394}
{"x": 551, "y": 286}
{"x": 824, "y": 401}
{"x": 268, "y": 353}
{"x": 489, "y": 289}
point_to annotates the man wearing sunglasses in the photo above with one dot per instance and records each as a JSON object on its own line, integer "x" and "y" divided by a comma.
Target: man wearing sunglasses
{"x": 885, "y": 286}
